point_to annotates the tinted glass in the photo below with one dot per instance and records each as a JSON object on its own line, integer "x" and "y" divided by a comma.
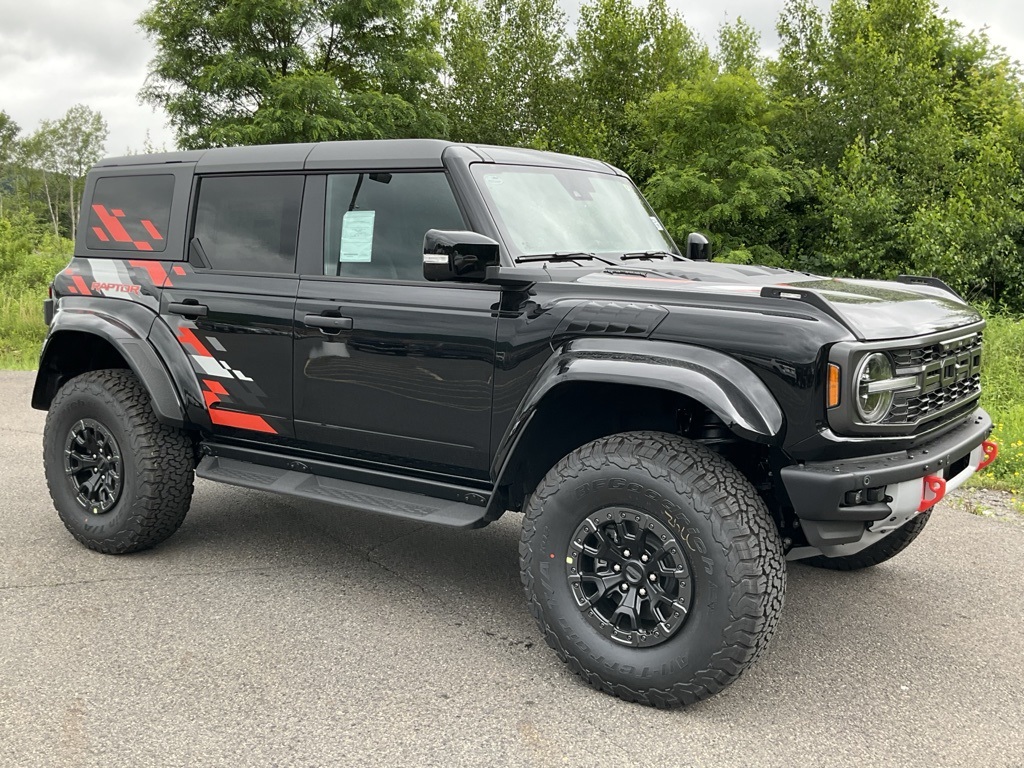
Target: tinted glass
{"x": 376, "y": 222}
{"x": 130, "y": 213}
{"x": 249, "y": 223}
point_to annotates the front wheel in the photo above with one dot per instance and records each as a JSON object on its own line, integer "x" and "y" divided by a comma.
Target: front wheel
{"x": 652, "y": 567}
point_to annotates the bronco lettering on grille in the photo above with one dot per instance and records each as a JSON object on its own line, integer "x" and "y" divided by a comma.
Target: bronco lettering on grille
{"x": 950, "y": 370}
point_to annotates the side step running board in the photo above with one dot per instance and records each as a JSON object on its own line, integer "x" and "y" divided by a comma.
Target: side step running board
{"x": 344, "y": 493}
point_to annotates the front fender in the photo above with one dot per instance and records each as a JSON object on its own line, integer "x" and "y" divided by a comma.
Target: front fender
{"x": 127, "y": 332}
{"x": 721, "y": 383}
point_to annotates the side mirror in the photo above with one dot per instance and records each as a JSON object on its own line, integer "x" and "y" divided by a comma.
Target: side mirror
{"x": 458, "y": 255}
{"x": 697, "y": 247}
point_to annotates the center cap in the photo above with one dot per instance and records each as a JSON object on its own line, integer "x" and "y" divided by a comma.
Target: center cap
{"x": 634, "y": 573}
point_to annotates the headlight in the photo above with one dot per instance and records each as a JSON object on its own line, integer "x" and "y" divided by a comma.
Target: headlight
{"x": 874, "y": 391}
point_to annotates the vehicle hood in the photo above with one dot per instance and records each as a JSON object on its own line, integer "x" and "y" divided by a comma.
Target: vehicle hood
{"x": 871, "y": 309}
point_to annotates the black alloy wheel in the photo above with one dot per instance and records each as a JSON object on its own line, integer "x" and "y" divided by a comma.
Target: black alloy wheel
{"x": 629, "y": 576}
{"x": 93, "y": 465}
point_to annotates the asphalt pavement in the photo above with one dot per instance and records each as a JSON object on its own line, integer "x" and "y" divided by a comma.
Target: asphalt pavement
{"x": 270, "y": 631}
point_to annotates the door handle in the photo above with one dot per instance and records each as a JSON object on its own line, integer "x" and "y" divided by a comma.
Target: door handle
{"x": 328, "y": 323}
{"x": 188, "y": 308}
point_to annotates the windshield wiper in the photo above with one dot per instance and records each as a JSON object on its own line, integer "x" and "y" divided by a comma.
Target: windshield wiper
{"x": 651, "y": 255}
{"x": 562, "y": 256}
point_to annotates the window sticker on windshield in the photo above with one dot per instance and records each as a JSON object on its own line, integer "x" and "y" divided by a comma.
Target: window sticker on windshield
{"x": 356, "y": 236}
{"x": 493, "y": 180}
{"x": 657, "y": 223}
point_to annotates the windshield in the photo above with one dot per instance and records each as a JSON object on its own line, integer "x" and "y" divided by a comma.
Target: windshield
{"x": 543, "y": 211}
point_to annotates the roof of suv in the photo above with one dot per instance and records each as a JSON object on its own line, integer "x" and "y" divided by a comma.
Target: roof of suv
{"x": 382, "y": 154}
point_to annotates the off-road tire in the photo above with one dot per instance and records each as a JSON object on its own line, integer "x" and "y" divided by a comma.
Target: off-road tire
{"x": 719, "y": 521}
{"x": 157, "y": 463}
{"x": 879, "y": 552}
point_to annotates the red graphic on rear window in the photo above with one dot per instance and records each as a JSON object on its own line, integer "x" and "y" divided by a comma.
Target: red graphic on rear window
{"x": 151, "y": 229}
{"x": 119, "y": 233}
{"x": 116, "y": 230}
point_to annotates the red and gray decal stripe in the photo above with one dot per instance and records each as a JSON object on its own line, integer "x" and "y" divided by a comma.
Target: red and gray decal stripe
{"x": 213, "y": 392}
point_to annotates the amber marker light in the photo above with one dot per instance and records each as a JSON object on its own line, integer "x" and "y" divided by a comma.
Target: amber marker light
{"x": 833, "y": 385}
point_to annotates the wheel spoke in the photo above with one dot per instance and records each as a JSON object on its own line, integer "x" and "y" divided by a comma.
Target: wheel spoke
{"x": 604, "y": 585}
{"x": 629, "y": 609}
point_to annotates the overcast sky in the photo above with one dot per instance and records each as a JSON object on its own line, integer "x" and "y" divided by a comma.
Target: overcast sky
{"x": 56, "y": 53}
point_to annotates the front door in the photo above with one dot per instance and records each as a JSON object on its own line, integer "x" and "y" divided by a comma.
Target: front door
{"x": 390, "y": 369}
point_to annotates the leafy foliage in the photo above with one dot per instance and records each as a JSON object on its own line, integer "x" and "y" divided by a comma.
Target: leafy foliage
{"x": 916, "y": 130}
{"x": 503, "y": 76}
{"x": 263, "y": 71}
{"x": 621, "y": 55}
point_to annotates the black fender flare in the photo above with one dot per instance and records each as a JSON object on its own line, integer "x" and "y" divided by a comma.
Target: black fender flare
{"x": 721, "y": 383}
{"x": 126, "y": 326}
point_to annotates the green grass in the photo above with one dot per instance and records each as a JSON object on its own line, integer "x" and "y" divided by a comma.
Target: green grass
{"x": 1002, "y": 381}
{"x": 21, "y": 327}
{"x": 30, "y": 255}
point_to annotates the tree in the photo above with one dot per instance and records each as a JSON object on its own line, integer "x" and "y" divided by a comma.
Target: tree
{"x": 62, "y": 151}
{"x": 503, "y": 74}
{"x": 36, "y": 153}
{"x": 716, "y": 169}
{"x": 262, "y": 71}
{"x": 9, "y": 131}
{"x": 79, "y": 138}
{"x": 916, "y": 128}
{"x": 739, "y": 48}
{"x": 622, "y": 54}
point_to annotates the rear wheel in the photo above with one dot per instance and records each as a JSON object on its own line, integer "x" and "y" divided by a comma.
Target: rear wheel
{"x": 120, "y": 480}
{"x": 652, "y": 567}
{"x": 879, "y": 552}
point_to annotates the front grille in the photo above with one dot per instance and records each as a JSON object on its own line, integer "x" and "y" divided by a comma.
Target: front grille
{"x": 949, "y": 375}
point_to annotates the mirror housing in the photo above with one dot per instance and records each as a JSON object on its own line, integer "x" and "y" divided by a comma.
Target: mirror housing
{"x": 697, "y": 247}
{"x": 458, "y": 255}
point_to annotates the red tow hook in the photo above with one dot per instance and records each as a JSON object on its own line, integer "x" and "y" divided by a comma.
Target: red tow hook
{"x": 937, "y": 486}
{"x": 991, "y": 449}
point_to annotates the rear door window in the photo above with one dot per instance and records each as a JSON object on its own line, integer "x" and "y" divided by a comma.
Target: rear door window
{"x": 130, "y": 213}
{"x": 249, "y": 223}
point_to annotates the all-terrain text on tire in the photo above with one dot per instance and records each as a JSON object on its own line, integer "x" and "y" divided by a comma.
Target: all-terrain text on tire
{"x": 446, "y": 332}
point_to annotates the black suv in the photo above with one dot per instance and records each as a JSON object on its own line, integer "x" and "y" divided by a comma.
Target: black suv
{"x": 446, "y": 332}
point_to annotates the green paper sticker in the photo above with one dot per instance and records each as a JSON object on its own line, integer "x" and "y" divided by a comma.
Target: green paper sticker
{"x": 356, "y": 236}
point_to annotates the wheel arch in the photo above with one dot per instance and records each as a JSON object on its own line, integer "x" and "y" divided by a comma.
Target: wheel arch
{"x": 664, "y": 387}
{"x": 88, "y": 338}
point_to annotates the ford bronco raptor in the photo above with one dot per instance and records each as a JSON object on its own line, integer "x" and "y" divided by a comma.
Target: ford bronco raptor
{"x": 445, "y": 332}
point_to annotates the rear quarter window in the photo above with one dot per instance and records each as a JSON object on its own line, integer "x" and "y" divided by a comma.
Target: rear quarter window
{"x": 130, "y": 213}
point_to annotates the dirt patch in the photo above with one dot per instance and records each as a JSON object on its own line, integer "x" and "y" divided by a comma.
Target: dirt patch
{"x": 985, "y": 502}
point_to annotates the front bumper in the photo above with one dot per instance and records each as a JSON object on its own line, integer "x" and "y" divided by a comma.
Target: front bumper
{"x": 836, "y": 501}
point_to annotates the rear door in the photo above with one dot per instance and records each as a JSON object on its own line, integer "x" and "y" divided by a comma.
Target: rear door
{"x": 231, "y": 306}
{"x": 389, "y": 368}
